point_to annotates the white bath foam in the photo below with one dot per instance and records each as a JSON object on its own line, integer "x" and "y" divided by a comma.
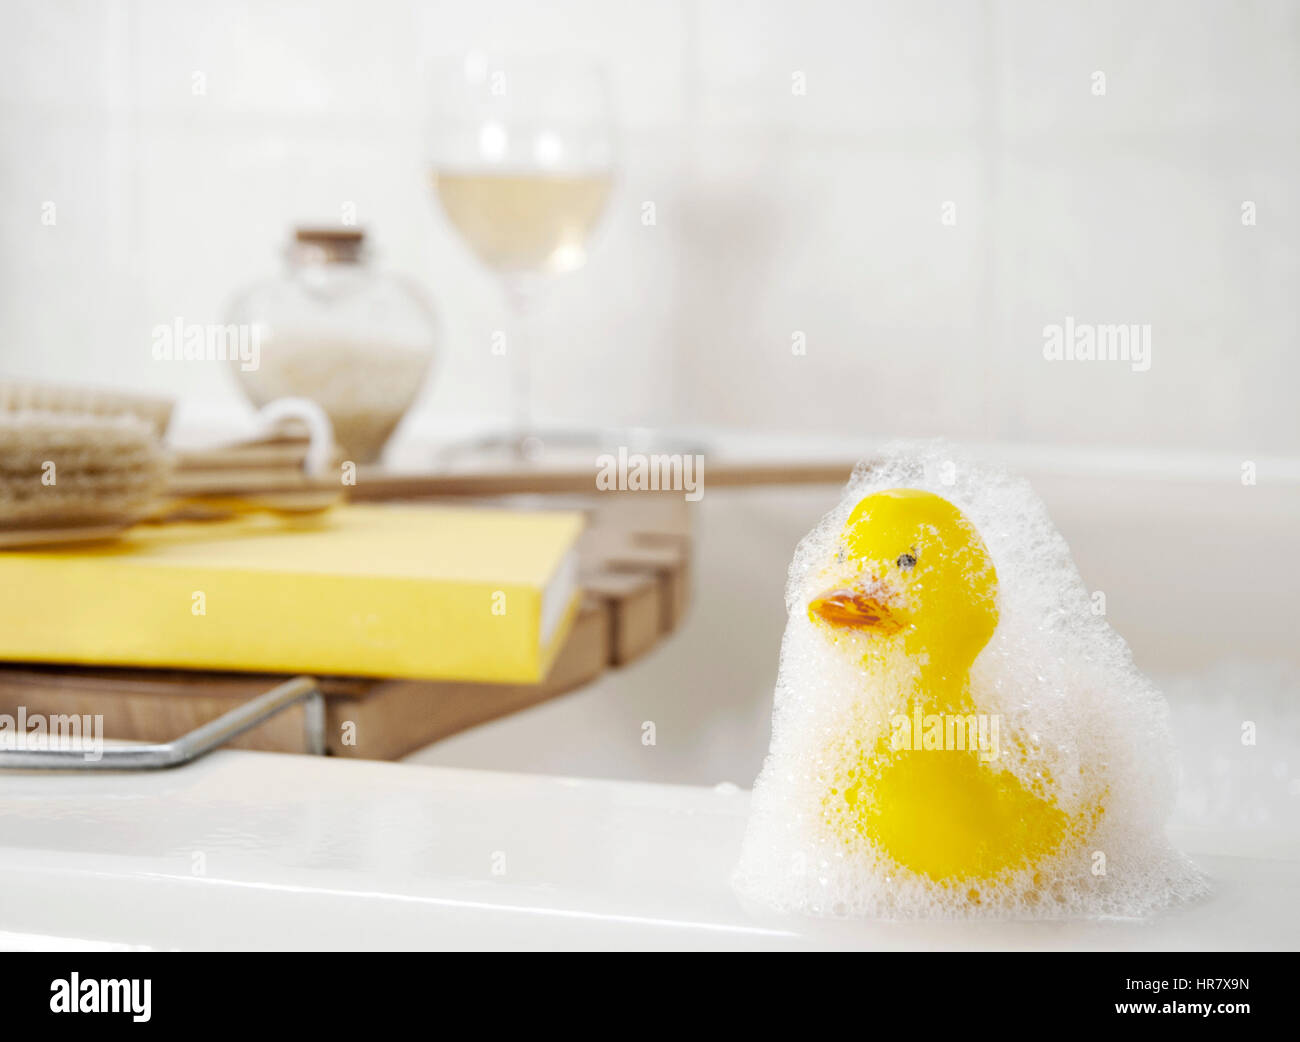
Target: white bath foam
{"x": 1077, "y": 721}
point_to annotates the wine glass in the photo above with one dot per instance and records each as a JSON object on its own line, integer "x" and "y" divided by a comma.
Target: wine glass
{"x": 523, "y": 157}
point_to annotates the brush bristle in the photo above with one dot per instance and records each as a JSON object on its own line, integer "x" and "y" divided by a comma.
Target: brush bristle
{"x": 64, "y": 468}
{"x": 21, "y": 397}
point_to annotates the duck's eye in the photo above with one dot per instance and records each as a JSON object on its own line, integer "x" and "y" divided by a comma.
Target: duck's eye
{"x": 906, "y": 562}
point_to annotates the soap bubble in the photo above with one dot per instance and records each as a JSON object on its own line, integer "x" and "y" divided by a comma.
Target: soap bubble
{"x": 1085, "y": 771}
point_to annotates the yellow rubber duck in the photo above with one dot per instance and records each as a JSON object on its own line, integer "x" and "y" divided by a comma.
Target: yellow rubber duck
{"x": 913, "y": 591}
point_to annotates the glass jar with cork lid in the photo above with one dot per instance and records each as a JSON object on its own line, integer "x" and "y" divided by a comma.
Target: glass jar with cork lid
{"x": 336, "y": 331}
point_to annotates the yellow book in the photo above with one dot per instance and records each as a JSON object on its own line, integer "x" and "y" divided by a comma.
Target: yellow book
{"x": 395, "y": 591}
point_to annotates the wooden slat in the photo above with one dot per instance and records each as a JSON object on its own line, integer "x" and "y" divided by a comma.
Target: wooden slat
{"x": 375, "y": 483}
{"x": 633, "y": 599}
{"x": 142, "y": 706}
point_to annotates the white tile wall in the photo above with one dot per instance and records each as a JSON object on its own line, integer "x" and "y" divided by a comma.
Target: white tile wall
{"x": 778, "y": 211}
{"x": 865, "y": 69}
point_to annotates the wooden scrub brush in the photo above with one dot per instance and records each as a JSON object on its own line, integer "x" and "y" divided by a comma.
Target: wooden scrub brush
{"x": 76, "y": 466}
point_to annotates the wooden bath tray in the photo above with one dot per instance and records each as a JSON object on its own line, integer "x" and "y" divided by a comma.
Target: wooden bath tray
{"x": 635, "y": 576}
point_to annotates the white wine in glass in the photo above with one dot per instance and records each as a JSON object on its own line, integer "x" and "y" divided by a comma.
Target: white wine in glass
{"x": 523, "y": 159}
{"x": 525, "y": 222}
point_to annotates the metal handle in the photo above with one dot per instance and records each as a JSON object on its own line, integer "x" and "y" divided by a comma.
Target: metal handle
{"x": 201, "y": 740}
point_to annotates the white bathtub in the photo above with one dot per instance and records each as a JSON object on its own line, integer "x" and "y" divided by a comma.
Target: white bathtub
{"x": 490, "y": 839}
{"x": 1201, "y": 575}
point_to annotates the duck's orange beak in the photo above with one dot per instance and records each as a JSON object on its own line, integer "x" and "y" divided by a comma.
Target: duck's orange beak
{"x": 854, "y": 609}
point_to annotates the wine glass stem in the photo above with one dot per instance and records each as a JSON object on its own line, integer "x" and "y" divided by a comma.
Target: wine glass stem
{"x": 520, "y": 300}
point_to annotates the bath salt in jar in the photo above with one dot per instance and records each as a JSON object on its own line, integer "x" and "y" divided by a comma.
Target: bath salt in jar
{"x": 332, "y": 329}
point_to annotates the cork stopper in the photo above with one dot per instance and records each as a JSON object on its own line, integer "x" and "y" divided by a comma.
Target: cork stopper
{"x": 328, "y": 245}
